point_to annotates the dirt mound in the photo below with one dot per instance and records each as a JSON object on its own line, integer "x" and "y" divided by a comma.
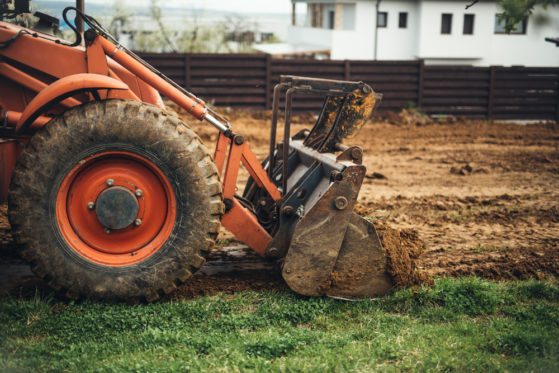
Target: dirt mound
{"x": 414, "y": 117}
{"x": 403, "y": 248}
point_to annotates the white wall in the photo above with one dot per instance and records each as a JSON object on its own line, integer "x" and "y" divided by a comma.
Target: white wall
{"x": 311, "y": 36}
{"x": 530, "y": 49}
{"x": 348, "y": 17}
{"x": 455, "y": 46}
{"x": 355, "y": 44}
{"x": 396, "y": 43}
{"x": 484, "y": 47}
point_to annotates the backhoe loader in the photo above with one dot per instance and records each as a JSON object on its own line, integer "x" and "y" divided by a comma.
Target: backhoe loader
{"x": 111, "y": 197}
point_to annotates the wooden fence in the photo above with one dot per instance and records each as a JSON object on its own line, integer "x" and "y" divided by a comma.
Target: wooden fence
{"x": 247, "y": 80}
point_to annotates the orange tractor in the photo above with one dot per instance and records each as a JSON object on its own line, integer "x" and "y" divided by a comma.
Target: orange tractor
{"x": 111, "y": 197}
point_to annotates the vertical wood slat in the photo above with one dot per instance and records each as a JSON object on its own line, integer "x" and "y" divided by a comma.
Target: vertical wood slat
{"x": 347, "y": 70}
{"x": 491, "y": 93}
{"x": 187, "y": 77}
{"x": 268, "y": 82}
{"x": 420, "y": 77}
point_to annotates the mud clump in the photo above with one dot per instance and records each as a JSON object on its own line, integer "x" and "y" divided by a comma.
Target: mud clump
{"x": 402, "y": 249}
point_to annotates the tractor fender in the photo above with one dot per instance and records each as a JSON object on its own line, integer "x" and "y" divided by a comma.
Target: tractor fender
{"x": 62, "y": 89}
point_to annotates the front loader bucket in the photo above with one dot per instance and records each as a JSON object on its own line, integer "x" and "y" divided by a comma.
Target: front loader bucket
{"x": 328, "y": 249}
{"x": 333, "y": 250}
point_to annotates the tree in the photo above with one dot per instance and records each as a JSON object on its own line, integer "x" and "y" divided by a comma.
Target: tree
{"x": 515, "y": 11}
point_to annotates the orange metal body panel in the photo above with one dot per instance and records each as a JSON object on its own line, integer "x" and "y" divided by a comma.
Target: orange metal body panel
{"x": 9, "y": 151}
{"x": 72, "y": 83}
{"x": 30, "y": 82}
{"x": 12, "y": 117}
{"x": 35, "y": 54}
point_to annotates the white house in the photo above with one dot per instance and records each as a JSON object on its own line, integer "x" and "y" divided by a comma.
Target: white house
{"x": 438, "y": 31}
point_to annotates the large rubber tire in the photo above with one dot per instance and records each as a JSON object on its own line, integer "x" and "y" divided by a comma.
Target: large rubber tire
{"x": 97, "y": 138}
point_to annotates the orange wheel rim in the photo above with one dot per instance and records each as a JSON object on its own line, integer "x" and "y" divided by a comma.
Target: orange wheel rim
{"x": 82, "y": 191}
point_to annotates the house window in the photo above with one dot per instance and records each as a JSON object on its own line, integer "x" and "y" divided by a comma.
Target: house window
{"x": 468, "y": 24}
{"x": 446, "y": 23}
{"x": 403, "y": 20}
{"x": 331, "y": 19}
{"x": 519, "y": 28}
{"x": 382, "y": 19}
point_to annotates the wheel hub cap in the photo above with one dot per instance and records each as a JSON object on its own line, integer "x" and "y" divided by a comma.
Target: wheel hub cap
{"x": 116, "y": 207}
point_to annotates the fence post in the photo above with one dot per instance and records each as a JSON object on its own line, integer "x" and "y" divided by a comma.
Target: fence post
{"x": 420, "y": 79}
{"x": 491, "y": 92}
{"x": 347, "y": 70}
{"x": 268, "y": 104}
{"x": 187, "y": 80}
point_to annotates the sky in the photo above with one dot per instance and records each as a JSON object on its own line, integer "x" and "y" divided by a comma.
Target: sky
{"x": 240, "y": 6}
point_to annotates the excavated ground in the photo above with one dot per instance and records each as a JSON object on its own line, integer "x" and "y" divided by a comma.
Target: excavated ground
{"x": 458, "y": 198}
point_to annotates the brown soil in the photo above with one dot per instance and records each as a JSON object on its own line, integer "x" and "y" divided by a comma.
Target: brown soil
{"x": 402, "y": 250}
{"x": 465, "y": 198}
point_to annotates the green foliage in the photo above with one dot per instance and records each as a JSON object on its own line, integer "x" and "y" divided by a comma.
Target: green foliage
{"x": 516, "y": 11}
{"x": 457, "y": 325}
{"x": 192, "y": 38}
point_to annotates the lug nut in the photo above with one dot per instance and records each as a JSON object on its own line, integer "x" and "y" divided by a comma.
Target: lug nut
{"x": 138, "y": 193}
{"x": 110, "y": 182}
{"x": 90, "y": 205}
{"x": 107, "y": 231}
{"x": 340, "y": 202}
{"x": 137, "y": 222}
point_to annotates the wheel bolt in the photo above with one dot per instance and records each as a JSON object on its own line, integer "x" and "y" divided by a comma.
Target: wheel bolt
{"x": 110, "y": 182}
{"x": 137, "y": 222}
{"x": 138, "y": 193}
{"x": 107, "y": 231}
{"x": 91, "y": 205}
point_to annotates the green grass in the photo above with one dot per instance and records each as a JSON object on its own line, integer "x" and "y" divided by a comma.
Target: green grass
{"x": 458, "y": 325}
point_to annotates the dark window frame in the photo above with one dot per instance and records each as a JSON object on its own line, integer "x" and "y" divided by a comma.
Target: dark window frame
{"x": 403, "y": 20}
{"x": 469, "y": 26}
{"x": 331, "y": 19}
{"x": 523, "y": 31}
{"x": 385, "y": 19}
{"x": 444, "y": 26}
